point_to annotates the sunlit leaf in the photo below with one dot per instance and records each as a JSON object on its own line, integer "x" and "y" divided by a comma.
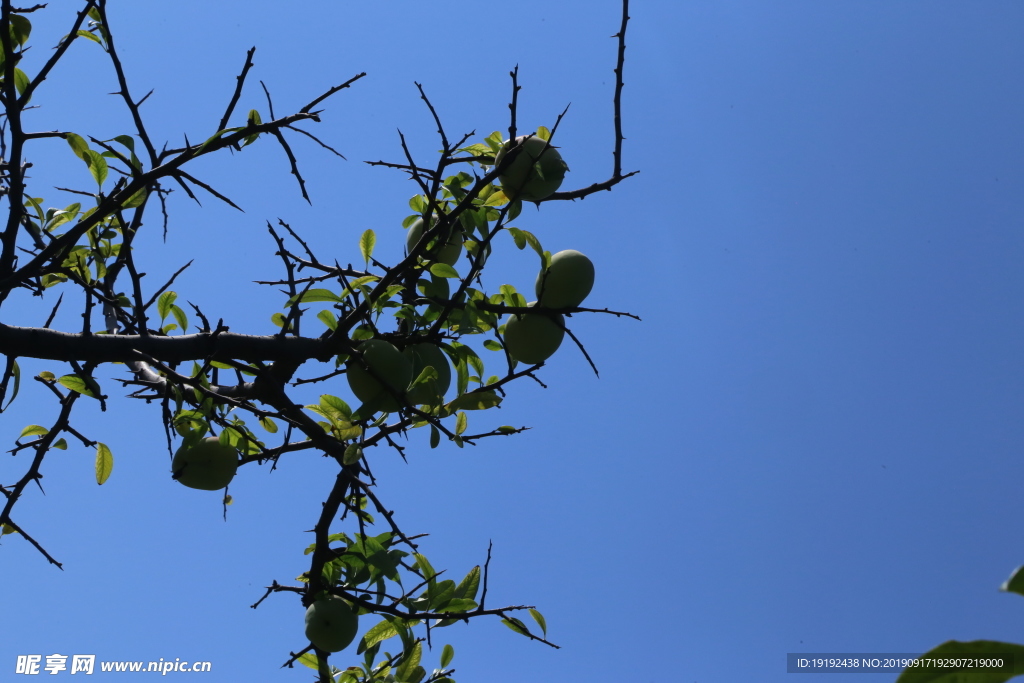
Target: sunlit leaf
{"x": 76, "y": 383}
{"x": 446, "y": 655}
{"x": 366, "y": 244}
{"x": 34, "y": 430}
{"x": 104, "y": 463}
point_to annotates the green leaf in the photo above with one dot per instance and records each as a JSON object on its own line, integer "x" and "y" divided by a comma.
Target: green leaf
{"x": 268, "y": 424}
{"x": 353, "y": 454}
{"x": 278, "y": 319}
{"x": 461, "y": 423}
{"x": 516, "y": 625}
{"x": 21, "y": 28}
{"x": 443, "y": 270}
{"x": 76, "y": 383}
{"x": 469, "y": 585}
{"x": 104, "y": 463}
{"x": 539, "y": 618}
{"x": 252, "y": 120}
{"x": 164, "y": 303}
{"x": 409, "y": 663}
{"x": 78, "y": 145}
{"x": 477, "y": 400}
{"x": 458, "y": 605}
{"x": 97, "y": 166}
{"x": 492, "y": 345}
{"x": 953, "y": 649}
{"x": 435, "y": 436}
{"x": 514, "y": 209}
{"x": 91, "y": 36}
{"x": 314, "y": 295}
{"x": 16, "y": 374}
{"x": 377, "y": 634}
{"x": 366, "y": 244}
{"x": 519, "y": 237}
{"x": 328, "y": 318}
{"x": 180, "y": 317}
{"x": 446, "y": 655}
{"x": 309, "y": 659}
{"x": 135, "y": 200}
{"x": 62, "y": 444}
{"x": 543, "y": 133}
{"x": 20, "y": 81}
{"x": 34, "y": 430}
{"x": 1015, "y": 584}
{"x": 215, "y": 136}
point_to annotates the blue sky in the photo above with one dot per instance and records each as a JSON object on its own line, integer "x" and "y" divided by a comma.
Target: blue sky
{"x": 810, "y": 444}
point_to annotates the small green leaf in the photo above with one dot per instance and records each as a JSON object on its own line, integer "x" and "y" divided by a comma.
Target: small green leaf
{"x": 461, "y": 422}
{"x": 328, "y": 318}
{"x": 180, "y": 317}
{"x": 477, "y": 400}
{"x": 435, "y": 436}
{"x": 309, "y": 659}
{"x": 21, "y": 28}
{"x": 314, "y": 295}
{"x": 104, "y": 463}
{"x": 62, "y": 444}
{"x": 543, "y": 133}
{"x": 953, "y": 649}
{"x": 97, "y": 166}
{"x": 514, "y": 209}
{"x": 409, "y": 663}
{"x": 366, "y": 244}
{"x": 78, "y": 145}
{"x": 278, "y": 319}
{"x": 378, "y": 633}
{"x": 539, "y": 618}
{"x": 76, "y": 383}
{"x": 164, "y": 303}
{"x": 268, "y": 424}
{"x": 20, "y": 81}
{"x": 34, "y": 430}
{"x": 492, "y": 345}
{"x": 516, "y": 625}
{"x": 446, "y": 655}
{"x": 469, "y": 585}
{"x": 16, "y": 374}
{"x": 443, "y": 270}
{"x": 353, "y": 454}
{"x": 91, "y": 36}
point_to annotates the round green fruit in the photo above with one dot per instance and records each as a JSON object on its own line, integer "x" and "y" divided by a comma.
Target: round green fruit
{"x": 423, "y": 355}
{"x": 533, "y": 337}
{"x": 387, "y": 363}
{"x": 448, "y": 253}
{"x": 567, "y": 280}
{"x": 331, "y": 624}
{"x": 209, "y": 465}
{"x": 536, "y": 171}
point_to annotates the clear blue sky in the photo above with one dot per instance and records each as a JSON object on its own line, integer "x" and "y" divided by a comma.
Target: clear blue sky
{"x": 810, "y": 444}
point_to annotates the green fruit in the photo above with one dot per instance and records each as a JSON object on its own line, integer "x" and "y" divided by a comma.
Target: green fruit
{"x": 448, "y": 253}
{"x": 387, "y": 363}
{"x": 536, "y": 171}
{"x": 567, "y": 280}
{"x": 533, "y": 337}
{"x": 423, "y": 355}
{"x": 209, "y": 465}
{"x": 331, "y": 624}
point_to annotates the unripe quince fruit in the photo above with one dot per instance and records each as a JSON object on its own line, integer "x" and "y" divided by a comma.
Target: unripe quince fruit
{"x": 209, "y": 465}
{"x": 423, "y": 355}
{"x": 536, "y": 171}
{"x": 567, "y": 280}
{"x": 331, "y": 624}
{"x": 533, "y": 337}
{"x": 386, "y": 362}
{"x": 448, "y": 252}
